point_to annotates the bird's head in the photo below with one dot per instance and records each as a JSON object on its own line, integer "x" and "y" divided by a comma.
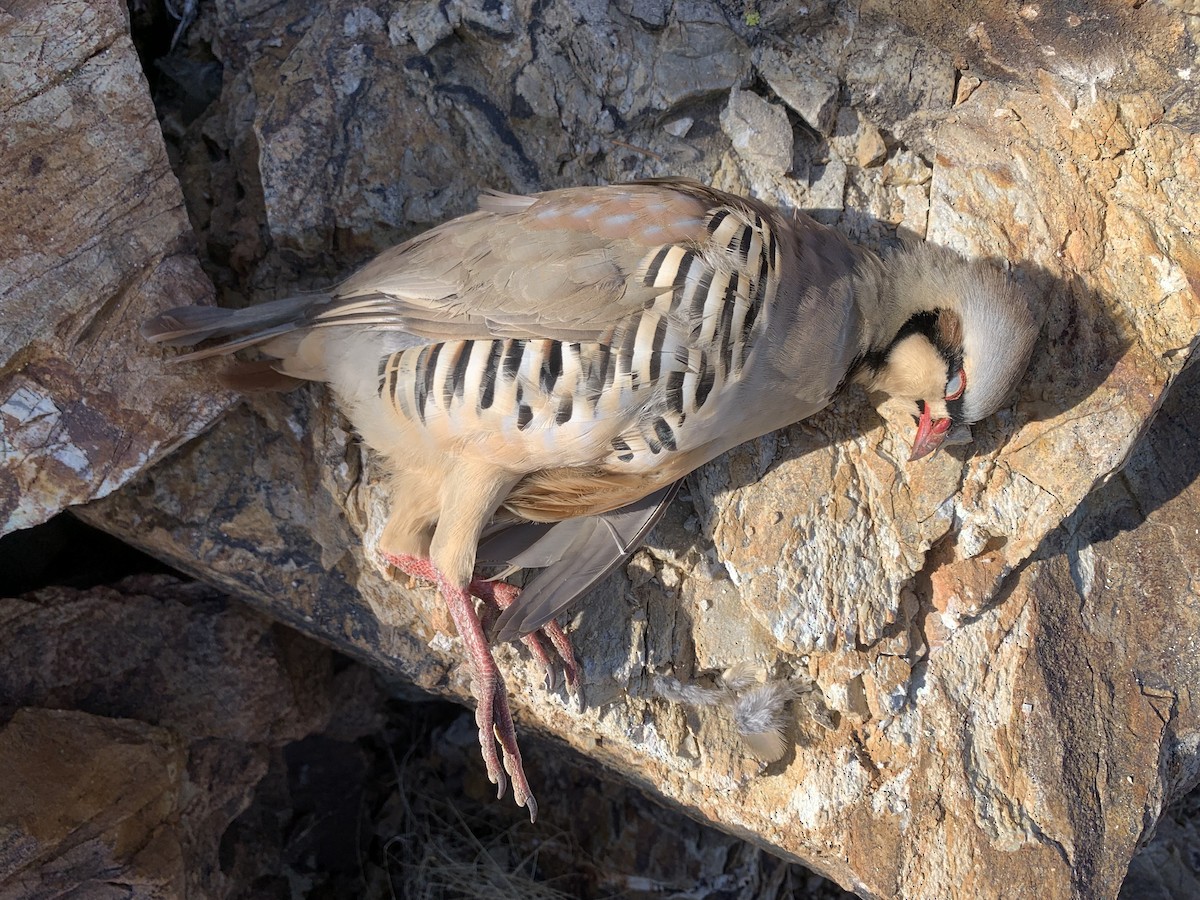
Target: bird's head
{"x": 966, "y": 336}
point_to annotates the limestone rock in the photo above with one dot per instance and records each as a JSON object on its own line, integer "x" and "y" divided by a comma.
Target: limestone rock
{"x": 803, "y": 84}
{"x": 856, "y": 140}
{"x": 439, "y": 93}
{"x": 759, "y": 130}
{"x": 89, "y": 807}
{"x": 188, "y": 661}
{"x": 94, "y": 238}
{"x": 1116, "y": 46}
{"x": 1191, "y": 7}
{"x": 1005, "y": 708}
{"x": 897, "y": 79}
{"x": 1169, "y": 866}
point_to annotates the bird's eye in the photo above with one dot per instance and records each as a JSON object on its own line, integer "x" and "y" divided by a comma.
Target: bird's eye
{"x": 956, "y": 385}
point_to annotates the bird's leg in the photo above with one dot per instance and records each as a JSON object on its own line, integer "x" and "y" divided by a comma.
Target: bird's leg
{"x": 502, "y": 595}
{"x": 492, "y": 713}
{"x": 415, "y": 567}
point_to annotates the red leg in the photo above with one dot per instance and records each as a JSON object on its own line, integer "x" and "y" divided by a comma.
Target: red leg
{"x": 503, "y": 595}
{"x": 412, "y": 566}
{"x": 492, "y": 714}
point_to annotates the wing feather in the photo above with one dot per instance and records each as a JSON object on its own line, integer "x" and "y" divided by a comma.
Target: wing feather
{"x": 578, "y": 554}
{"x": 560, "y": 265}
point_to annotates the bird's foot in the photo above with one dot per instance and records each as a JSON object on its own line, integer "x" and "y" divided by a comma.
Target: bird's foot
{"x": 501, "y": 595}
{"x": 492, "y": 714}
{"x": 417, "y": 568}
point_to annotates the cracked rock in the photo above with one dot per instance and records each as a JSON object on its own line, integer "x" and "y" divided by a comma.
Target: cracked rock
{"x": 95, "y": 237}
{"x": 759, "y": 130}
{"x": 805, "y": 85}
{"x": 856, "y": 140}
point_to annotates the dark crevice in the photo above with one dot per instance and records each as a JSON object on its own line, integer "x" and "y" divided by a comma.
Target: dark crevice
{"x": 66, "y": 552}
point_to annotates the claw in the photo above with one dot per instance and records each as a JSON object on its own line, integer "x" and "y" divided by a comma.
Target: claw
{"x": 501, "y": 595}
{"x": 492, "y": 715}
{"x": 562, "y": 645}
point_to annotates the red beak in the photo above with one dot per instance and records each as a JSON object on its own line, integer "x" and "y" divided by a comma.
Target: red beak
{"x": 930, "y": 434}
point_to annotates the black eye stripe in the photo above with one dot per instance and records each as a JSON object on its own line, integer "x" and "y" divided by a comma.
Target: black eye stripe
{"x": 925, "y": 324}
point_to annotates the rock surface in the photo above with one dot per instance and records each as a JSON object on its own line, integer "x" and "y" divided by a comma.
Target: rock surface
{"x": 1003, "y": 709}
{"x": 94, "y": 237}
{"x": 160, "y": 740}
{"x": 139, "y": 721}
{"x": 759, "y": 131}
{"x": 90, "y": 807}
{"x": 803, "y": 84}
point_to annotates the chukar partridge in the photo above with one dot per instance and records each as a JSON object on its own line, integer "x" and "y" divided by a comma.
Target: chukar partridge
{"x": 567, "y": 357}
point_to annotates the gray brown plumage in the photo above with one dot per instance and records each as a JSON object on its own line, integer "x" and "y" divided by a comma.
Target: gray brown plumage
{"x": 567, "y": 357}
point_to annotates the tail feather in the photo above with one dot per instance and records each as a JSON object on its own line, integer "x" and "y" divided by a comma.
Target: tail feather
{"x": 226, "y": 347}
{"x": 187, "y": 326}
{"x": 303, "y": 342}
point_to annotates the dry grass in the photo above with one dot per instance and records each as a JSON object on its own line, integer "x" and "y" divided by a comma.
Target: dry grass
{"x": 439, "y": 849}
